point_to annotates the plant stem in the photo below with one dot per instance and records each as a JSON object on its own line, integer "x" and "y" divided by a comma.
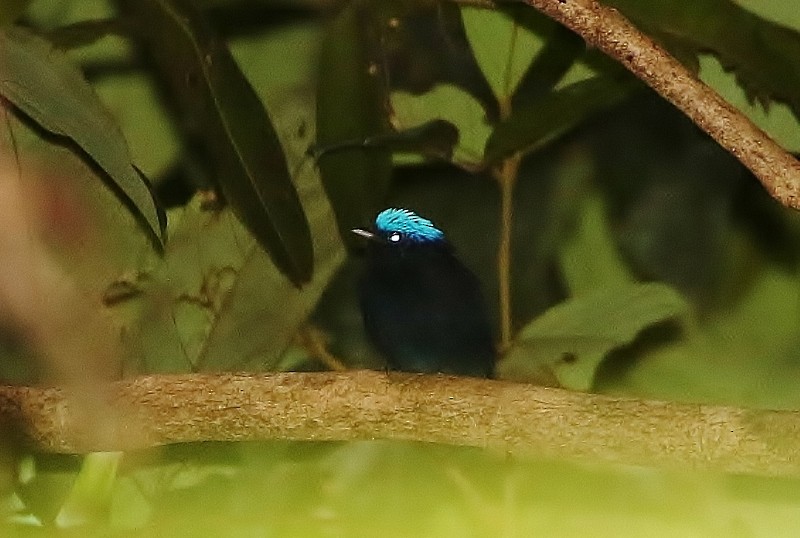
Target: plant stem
{"x": 507, "y": 178}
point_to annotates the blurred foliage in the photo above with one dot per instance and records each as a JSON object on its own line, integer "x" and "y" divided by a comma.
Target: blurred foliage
{"x": 43, "y": 86}
{"x": 646, "y": 260}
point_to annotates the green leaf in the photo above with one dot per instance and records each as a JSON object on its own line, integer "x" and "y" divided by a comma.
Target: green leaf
{"x": 232, "y": 121}
{"x": 46, "y": 87}
{"x": 561, "y": 49}
{"x": 454, "y": 105}
{"x": 590, "y": 259}
{"x": 241, "y": 490}
{"x": 44, "y": 482}
{"x": 229, "y": 307}
{"x": 352, "y": 99}
{"x": 90, "y": 497}
{"x": 539, "y": 122}
{"x": 571, "y": 339}
{"x": 503, "y": 47}
{"x": 744, "y": 354}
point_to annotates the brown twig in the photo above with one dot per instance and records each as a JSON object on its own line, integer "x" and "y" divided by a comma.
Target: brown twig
{"x": 607, "y": 30}
{"x": 510, "y": 417}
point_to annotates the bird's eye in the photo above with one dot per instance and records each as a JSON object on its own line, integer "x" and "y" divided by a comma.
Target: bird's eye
{"x": 395, "y": 237}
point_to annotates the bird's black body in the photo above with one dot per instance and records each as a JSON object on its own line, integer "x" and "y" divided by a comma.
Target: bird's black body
{"x": 422, "y": 308}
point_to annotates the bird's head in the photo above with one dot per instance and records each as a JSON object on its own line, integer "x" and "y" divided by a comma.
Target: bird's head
{"x": 402, "y": 228}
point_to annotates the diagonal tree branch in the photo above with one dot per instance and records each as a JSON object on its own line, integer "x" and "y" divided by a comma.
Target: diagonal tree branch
{"x": 607, "y": 30}
{"x": 515, "y": 418}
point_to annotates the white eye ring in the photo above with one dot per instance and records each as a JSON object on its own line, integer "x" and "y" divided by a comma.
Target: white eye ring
{"x": 395, "y": 237}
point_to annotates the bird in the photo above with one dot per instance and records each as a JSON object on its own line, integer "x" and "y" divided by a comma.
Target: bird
{"x": 422, "y": 309}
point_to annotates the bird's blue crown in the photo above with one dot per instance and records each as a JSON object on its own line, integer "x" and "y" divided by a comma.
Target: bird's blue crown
{"x": 407, "y": 223}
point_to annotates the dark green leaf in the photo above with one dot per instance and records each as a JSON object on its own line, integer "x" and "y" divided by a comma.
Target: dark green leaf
{"x": 435, "y": 139}
{"x": 571, "y": 339}
{"x": 559, "y": 53}
{"x": 229, "y": 308}
{"x": 81, "y": 34}
{"x": 46, "y": 87}
{"x": 352, "y": 104}
{"x": 453, "y": 105}
{"x": 231, "y": 119}
{"x": 540, "y": 122}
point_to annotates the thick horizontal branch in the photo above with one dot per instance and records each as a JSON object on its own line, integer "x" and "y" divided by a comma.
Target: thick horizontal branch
{"x": 607, "y": 30}
{"x": 510, "y": 417}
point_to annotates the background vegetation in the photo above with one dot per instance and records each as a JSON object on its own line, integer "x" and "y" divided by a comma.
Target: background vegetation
{"x": 174, "y": 174}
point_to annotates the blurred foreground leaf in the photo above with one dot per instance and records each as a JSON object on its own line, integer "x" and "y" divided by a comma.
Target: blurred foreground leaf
{"x": 84, "y": 231}
{"x": 221, "y": 104}
{"x": 44, "y": 483}
{"x": 90, "y": 497}
{"x": 370, "y": 488}
{"x": 50, "y": 90}
{"x": 571, "y": 339}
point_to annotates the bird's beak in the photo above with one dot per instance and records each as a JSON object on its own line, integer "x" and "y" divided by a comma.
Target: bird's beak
{"x": 365, "y": 234}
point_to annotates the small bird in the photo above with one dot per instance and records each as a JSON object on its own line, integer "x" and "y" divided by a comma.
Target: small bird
{"x": 423, "y": 309}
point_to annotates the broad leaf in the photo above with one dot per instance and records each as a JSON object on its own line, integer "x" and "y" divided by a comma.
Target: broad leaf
{"x": 218, "y": 302}
{"x": 561, "y": 49}
{"x": 229, "y": 116}
{"x": 453, "y": 105}
{"x": 531, "y": 126}
{"x": 46, "y": 87}
{"x": 590, "y": 259}
{"x": 571, "y": 339}
{"x": 84, "y": 33}
{"x": 503, "y": 47}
